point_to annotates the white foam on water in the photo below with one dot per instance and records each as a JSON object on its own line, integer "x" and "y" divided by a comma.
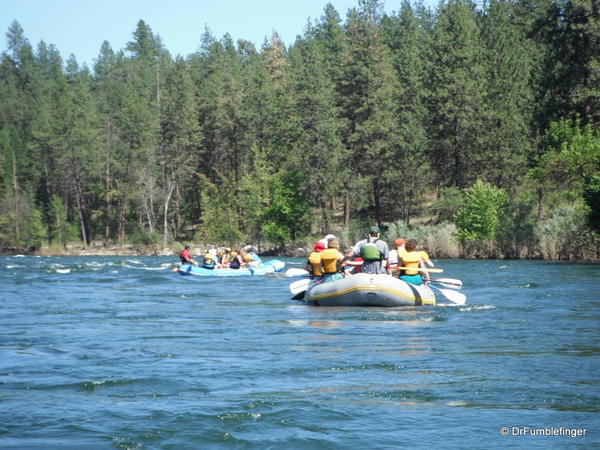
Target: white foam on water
{"x": 133, "y": 261}
{"x": 100, "y": 264}
{"x": 63, "y": 270}
{"x": 476, "y": 307}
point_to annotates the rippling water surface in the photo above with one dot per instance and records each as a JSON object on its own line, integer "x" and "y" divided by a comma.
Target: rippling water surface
{"x": 119, "y": 352}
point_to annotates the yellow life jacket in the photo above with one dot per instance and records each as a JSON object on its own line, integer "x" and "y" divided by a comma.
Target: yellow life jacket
{"x": 329, "y": 258}
{"x": 411, "y": 259}
{"x": 247, "y": 258}
{"x": 314, "y": 259}
{"x": 225, "y": 258}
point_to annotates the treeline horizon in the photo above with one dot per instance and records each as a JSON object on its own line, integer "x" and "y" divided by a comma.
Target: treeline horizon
{"x": 476, "y": 125}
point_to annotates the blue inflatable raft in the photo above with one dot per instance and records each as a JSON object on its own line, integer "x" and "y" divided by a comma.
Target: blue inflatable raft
{"x": 270, "y": 266}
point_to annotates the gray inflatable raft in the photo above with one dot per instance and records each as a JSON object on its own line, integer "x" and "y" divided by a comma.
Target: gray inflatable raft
{"x": 365, "y": 289}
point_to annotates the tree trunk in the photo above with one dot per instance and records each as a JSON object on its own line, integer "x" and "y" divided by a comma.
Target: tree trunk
{"x": 346, "y": 208}
{"x": 107, "y": 186}
{"x": 177, "y": 201}
{"x": 171, "y": 187}
{"x": 121, "y": 218}
{"x": 16, "y": 196}
{"x": 377, "y": 201}
{"x": 80, "y": 207}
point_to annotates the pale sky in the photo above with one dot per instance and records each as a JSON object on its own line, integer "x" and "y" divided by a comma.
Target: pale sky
{"x": 80, "y": 26}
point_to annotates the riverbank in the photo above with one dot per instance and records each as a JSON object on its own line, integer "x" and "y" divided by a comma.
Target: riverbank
{"x": 99, "y": 249}
{"x": 297, "y": 250}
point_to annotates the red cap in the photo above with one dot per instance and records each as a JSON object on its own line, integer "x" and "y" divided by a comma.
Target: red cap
{"x": 319, "y": 246}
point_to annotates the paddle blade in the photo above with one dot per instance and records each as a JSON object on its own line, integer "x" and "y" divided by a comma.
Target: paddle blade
{"x": 299, "y": 286}
{"x": 455, "y": 297}
{"x": 296, "y": 272}
{"x": 299, "y": 296}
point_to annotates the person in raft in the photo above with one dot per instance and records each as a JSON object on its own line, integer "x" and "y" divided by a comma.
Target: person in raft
{"x": 251, "y": 259}
{"x": 209, "y": 260}
{"x": 224, "y": 259}
{"x": 325, "y": 240}
{"x": 331, "y": 261}
{"x": 411, "y": 258}
{"x": 425, "y": 258}
{"x": 374, "y": 252}
{"x": 186, "y": 257}
{"x": 236, "y": 260}
{"x": 399, "y": 244}
{"x": 313, "y": 263}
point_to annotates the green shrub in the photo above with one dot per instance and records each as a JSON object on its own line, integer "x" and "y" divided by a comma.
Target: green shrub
{"x": 146, "y": 238}
{"x": 563, "y": 234}
{"x": 479, "y": 221}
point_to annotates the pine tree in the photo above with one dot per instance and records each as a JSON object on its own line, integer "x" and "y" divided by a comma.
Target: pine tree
{"x": 406, "y": 37}
{"x": 318, "y": 125}
{"x": 369, "y": 90}
{"x": 105, "y": 86}
{"x": 180, "y": 139}
{"x": 506, "y": 140}
{"x": 78, "y": 158}
{"x": 457, "y": 96}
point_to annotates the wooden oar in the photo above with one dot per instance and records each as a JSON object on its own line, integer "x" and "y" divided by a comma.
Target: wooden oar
{"x": 455, "y": 297}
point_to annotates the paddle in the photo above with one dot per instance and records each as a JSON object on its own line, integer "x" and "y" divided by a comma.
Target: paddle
{"x": 296, "y": 272}
{"x": 298, "y": 288}
{"x": 451, "y": 283}
{"x": 420, "y": 269}
{"x": 455, "y": 297}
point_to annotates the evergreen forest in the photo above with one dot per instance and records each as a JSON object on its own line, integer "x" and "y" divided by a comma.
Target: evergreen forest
{"x": 473, "y": 127}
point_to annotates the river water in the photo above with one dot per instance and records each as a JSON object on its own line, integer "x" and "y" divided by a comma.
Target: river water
{"x": 119, "y": 352}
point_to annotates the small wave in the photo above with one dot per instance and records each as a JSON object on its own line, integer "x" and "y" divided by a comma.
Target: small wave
{"x": 476, "y": 307}
{"x": 63, "y": 270}
{"x": 238, "y": 417}
{"x": 161, "y": 267}
{"x": 12, "y": 267}
{"x": 457, "y": 403}
{"x": 96, "y": 264}
{"x": 527, "y": 285}
{"x": 133, "y": 261}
